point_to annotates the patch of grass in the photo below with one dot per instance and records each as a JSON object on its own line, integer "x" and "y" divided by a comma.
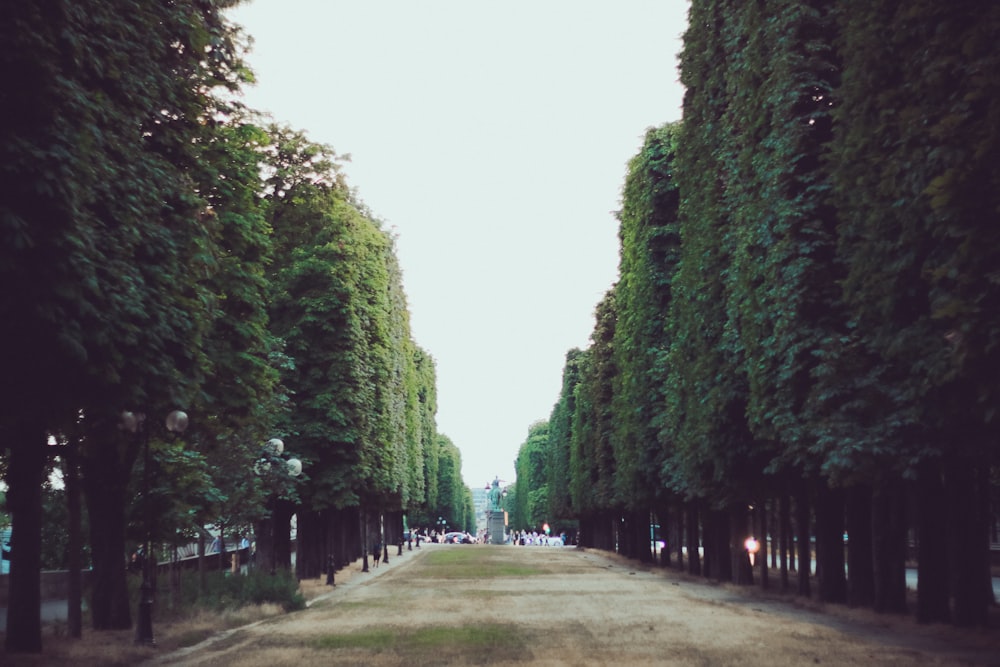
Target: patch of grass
{"x": 436, "y": 639}
{"x": 372, "y": 640}
{"x": 472, "y": 563}
{"x": 192, "y": 637}
{"x": 467, "y": 636}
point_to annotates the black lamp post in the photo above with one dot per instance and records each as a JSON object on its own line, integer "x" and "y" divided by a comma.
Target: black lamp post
{"x": 272, "y": 467}
{"x": 176, "y": 422}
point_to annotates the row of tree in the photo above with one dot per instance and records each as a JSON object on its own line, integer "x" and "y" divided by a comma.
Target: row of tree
{"x": 163, "y": 247}
{"x": 807, "y": 316}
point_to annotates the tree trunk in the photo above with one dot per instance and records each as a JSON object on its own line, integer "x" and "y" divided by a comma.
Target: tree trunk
{"x": 772, "y": 520}
{"x": 803, "y": 536}
{"x": 365, "y": 546}
{"x": 739, "y": 533}
{"x": 830, "y": 545}
{"x": 932, "y": 546}
{"x": 889, "y": 546}
{"x": 222, "y": 547}
{"x": 282, "y": 534}
{"x": 860, "y": 572}
{"x": 641, "y": 531}
{"x": 25, "y": 474}
{"x": 785, "y": 529}
{"x": 202, "y": 568}
{"x": 309, "y": 544}
{"x": 679, "y": 528}
{"x": 107, "y": 464}
{"x": 264, "y": 551}
{"x": 762, "y": 541}
{"x": 74, "y": 582}
{"x": 719, "y": 562}
{"x": 693, "y": 541}
{"x": 967, "y": 530}
{"x": 678, "y": 533}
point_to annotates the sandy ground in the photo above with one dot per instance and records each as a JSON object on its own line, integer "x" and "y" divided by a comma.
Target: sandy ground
{"x": 503, "y": 605}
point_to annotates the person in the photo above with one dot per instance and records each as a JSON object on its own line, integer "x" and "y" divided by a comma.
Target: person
{"x": 377, "y": 553}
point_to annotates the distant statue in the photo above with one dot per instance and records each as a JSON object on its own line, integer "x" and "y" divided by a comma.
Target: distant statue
{"x": 495, "y": 495}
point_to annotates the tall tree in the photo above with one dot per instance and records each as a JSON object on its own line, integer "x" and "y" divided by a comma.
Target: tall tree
{"x": 532, "y": 498}
{"x": 915, "y": 184}
{"x": 650, "y": 250}
{"x": 102, "y": 233}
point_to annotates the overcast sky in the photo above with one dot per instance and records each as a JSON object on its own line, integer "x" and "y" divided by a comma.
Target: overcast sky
{"x": 492, "y": 138}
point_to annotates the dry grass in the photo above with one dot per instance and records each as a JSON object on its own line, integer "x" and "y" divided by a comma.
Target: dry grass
{"x": 118, "y": 647}
{"x": 491, "y": 606}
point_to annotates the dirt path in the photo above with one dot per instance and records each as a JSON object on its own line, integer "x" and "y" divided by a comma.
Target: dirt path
{"x": 551, "y": 606}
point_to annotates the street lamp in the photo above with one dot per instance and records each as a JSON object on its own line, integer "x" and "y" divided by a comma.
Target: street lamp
{"x": 274, "y": 472}
{"x": 176, "y": 422}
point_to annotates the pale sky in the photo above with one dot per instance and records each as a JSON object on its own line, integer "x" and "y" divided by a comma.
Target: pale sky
{"x": 492, "y": 138}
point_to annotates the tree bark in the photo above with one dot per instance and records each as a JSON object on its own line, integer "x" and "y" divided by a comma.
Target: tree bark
{"x": 264, "y": 552}
{"x": 693, "y": 539}
{"x": 761, "y": 536}
{"x": 830, "y": 545}
{"x": 282, "y": 534}
{"x": 804, "y": 542}
{"x": 889, "y": 546}
{"x": 860, "y": 572}
{"x": 311, "y": 536}
{"x": 932, "y": 546}
{"x": 739, "y": 533}
{"x": 678, "y": 526}
{"x": 74, "y": 582}
{"x": 967, "y": 530}
{"x": 25, "y": 474}
{"x": 107, "y": 466}
{"x": 785, "y": 522}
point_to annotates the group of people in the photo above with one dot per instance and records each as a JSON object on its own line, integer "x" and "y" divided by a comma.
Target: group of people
{"x": 534, "y": 538}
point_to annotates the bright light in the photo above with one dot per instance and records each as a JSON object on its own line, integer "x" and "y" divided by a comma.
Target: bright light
{"x": 752, "y": 547}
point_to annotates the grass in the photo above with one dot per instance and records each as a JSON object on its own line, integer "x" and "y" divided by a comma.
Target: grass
{"x": 181, "y": 618}
{"x": 466, "y": 563}
{"x": 494, "y": 639}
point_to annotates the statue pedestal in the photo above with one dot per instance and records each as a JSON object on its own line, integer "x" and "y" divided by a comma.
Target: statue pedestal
{"x": 495, "y": 527}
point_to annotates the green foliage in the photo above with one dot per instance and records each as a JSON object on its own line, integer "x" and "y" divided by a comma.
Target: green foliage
{"x": 560, "y": 439}
{"x": 454, "y": 498}
{"x": 531, "y": 502}
{"x": 650, "y": 251}
{"x": 919, "y": 239}
{"x": 592, "y": 458}
{"x": 227, "y": 591}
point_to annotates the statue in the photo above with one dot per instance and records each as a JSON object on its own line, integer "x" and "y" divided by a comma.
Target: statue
{"x": 495, "y": 495}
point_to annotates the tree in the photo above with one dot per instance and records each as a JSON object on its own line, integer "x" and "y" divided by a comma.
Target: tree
{"x": 532, "y": 500}
{"x": 918, "y": 236}
{"x": 650, "y": 250}
{"x": 101, "y": 236}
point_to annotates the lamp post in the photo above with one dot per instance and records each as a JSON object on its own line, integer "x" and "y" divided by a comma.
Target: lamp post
{"x": 273, "y": 470}
{"x": 176, "y": 422}
{"x": 442, "y": 526}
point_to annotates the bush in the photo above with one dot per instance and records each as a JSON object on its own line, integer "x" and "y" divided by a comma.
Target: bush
{"x": 225, "y": 591}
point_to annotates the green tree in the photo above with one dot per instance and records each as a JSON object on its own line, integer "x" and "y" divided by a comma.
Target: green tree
{"x": 918, "y": 236}
{"x": 101, "y": 238}
{"x": 649, "y": 252}
{"x": 531, "y": 503}
{"x": 561, "y": 439}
